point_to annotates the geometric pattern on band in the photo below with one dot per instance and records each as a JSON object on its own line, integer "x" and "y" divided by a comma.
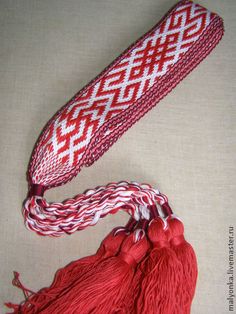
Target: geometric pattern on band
{"x": 66, "y": 138}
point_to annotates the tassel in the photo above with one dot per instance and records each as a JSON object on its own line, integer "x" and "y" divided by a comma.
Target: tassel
{"x": 104, "y": 289}
{"x": 134, "y": 290}
{"x": 163, "y": 273}
{"x": 187, "y": 257}
{"x": 67, "y": 276}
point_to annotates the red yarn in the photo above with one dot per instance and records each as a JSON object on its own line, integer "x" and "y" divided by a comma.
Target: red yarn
{"x": 104, "y": 288}
{"x": 67, "y": 276}
{"x": 187, "y": 257}
{"x": 134, "y": 291}
{"x": 163, "y": 274}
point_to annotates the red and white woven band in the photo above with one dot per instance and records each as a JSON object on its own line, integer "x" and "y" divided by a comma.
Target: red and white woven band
{"x": 82, "y": 130}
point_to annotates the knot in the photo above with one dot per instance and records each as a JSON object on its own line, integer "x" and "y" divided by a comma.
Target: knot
{"x": 16, "y": 282}
{"x": 36, "y": 190}
{"x": 160, "y": 244}
{"x": 128, "y": 258}
{"x": 175, "y": 241}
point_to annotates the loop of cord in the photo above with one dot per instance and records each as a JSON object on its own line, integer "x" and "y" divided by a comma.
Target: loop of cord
{"x": 55, "y": 219}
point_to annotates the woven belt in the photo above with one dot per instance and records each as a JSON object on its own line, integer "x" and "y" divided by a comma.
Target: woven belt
{"x": 82, "y": 130}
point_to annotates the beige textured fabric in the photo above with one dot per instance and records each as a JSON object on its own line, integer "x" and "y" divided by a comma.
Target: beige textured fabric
{"x": 185, "y": 146}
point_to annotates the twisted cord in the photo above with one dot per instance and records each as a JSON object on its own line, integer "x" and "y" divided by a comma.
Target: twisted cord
{"x": 55, "y": 219}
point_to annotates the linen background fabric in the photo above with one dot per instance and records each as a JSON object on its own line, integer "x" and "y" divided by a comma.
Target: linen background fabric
{"x": 185, "y": 146}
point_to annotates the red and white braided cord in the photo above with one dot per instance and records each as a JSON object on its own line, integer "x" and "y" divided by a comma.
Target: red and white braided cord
{"x": 55, "y": 219}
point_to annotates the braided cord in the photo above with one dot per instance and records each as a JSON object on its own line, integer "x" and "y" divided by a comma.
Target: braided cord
{"x": 55, "y": 219}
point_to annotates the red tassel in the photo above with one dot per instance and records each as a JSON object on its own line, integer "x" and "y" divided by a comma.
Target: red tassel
{"x": 134, "y": 290}
{"x": 187, "y": 257}
{"x": 163, "y": 273}
{"x": 67, "y": 276}
{"x": 105, "y": 287}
